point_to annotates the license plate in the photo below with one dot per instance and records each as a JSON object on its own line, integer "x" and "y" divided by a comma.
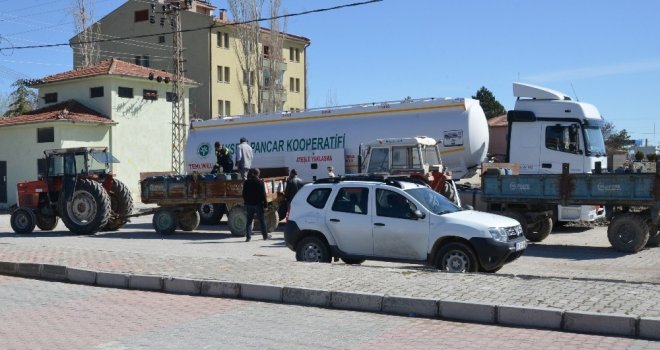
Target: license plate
{"x": 521, "y": 245}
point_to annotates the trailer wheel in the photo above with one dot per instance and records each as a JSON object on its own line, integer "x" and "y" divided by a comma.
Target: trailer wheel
{"x": 272, "y": 220}
{"x": 189, "y": 220}
{"x": 47, "y": 223}
{"x": 539, "y": 231}
{"x": 236, "y": 220}
{"x": 628, "y": 233}
{"x": 88, "y": 210}
{"x": 23, "y": 221}
{"x": 121, "y": 203}
{"x": 211, "y": 214}
{"x": 654, "y": 235}
{"x": 164, "y": 221}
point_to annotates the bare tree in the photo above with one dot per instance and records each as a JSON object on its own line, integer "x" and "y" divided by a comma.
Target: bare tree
{"x": 83, "y": 12}
{"x": 248, "y": 36}
{"x": 273, "y": 70}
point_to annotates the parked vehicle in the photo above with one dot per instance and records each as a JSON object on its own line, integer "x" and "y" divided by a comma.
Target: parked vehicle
{"x": 632, "y": 201}
{"x": 355, "y": 218}
{"x": 79, "y": 188}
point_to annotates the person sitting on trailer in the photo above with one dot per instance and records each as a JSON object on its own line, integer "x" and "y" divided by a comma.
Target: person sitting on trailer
{"x": 223, "y": 160}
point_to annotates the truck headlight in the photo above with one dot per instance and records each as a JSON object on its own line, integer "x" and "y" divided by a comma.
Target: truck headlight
{"x": 498, "y": 234}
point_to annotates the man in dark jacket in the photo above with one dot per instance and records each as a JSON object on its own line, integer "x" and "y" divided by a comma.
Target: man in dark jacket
{"x": 223, "y": 160}
{"x": 293, "y": 184}
{"x": 254, "y": 197}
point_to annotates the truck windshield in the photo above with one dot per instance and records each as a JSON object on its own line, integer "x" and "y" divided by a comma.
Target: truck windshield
{"x": 433, "y": 201}
{"x": 593, "y": 137}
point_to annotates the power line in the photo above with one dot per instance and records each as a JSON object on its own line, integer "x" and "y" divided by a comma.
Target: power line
{"x": 194, "y": 29}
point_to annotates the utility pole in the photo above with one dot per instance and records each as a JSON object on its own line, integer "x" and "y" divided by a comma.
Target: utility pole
{"x": 172, "y": 10}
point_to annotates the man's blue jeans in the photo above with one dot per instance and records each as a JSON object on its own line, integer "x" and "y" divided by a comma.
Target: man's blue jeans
{"x": 251, "y": 211}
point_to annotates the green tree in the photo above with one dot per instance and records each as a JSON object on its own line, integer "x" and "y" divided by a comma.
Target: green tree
{"x": 489, "y": 103}
{"x": 23, "y": 99}
{"x": 615, "y": 140}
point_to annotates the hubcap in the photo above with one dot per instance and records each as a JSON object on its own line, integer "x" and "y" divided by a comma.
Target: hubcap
{"x": 312, "y": 253}
{"x": 22, "y": 221}
{"x": 82, "y": 208}
{"x": 626, "y": 235}
{"x": 456, "y": 261}
{"x": 164, "y": 220}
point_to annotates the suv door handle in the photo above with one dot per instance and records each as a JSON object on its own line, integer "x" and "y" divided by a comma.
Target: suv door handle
{"x": 546, "y": 165}
{"x": 379, "y": 224}
{"x": 334, "y": 220}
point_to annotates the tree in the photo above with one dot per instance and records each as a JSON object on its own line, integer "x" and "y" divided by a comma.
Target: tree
{"x": 273, "y": 70}
{"x": 83, "y": 13}
{"x": 490, "y": 105}
{"x": 22, "y": 100}
{"x": 615, "y": 140}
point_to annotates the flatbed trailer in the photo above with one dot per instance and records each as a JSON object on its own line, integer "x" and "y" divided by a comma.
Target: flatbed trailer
{"x": 179, "y": 196}
{"x": 631, "y": 200}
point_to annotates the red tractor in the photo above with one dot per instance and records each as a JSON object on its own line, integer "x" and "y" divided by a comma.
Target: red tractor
{"x": 77, "y": 187}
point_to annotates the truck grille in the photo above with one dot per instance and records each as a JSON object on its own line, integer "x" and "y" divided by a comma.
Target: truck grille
{"x": 513, "y": 232}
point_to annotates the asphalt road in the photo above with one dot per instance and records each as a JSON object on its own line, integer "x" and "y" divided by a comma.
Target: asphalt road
{"x": 52, "y": 315}
{"x": 572, "y": 252}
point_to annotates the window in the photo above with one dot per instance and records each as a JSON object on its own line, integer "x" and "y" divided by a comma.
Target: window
{"x": 96, "y": 92}
{"x": 170, "y": 97}
{"x": 45, "y": 135}
{"x": 221, "y": 107}
{"x": 297, "y": 55}
{"x": 125, "y": 92}
{"x": 266, "y": 51}
{"x": 294, "y": 54}
{"x": 250, "y": 79}
{"x": 151, "y": 95}
{"x": 222, "y": 40}
{"x": 563, "y": 138}
{"x": 405, "y": 158}
{"x": 161, "y": 39}
{"x": 141, "y": 16}
{"x": 50, "y": 97}
{"x": 226, "y": 74}
{"x": 379, "y": 160}
{"x": 351, "y": 200}
{"x": 319, "y": 197}
{"x": 297, "y": 84}
{"x": 247, "y": 109}
{"x": 292, "y": 84}
{"x": 393, "y": 205}
{"x": 142, "y": 61}
{"x": 227, "y": 108}
{"x": 42, "y": 167}
{"x": 220, "y": 71}
{"x": 218, "y": 39}
{"x": 291, "y": 54}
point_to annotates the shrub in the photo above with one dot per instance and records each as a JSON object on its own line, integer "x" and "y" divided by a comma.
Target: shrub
{"x": 639, "y": 155}
{"x": 651, "y": 157}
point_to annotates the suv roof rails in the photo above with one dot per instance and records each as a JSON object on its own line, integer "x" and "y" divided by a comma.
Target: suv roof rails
{"x": 393, "y": 180}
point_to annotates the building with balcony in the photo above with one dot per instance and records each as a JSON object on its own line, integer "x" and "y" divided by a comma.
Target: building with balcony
{"x": 212, "y": 57}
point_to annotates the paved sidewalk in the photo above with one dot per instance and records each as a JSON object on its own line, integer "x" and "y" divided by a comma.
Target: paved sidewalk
{"x": 609, "y": 307}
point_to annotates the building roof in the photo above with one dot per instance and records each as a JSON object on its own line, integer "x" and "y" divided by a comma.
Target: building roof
{"x": 498, "y": 121}
{"x": 67, "y": 111}
{"x": 111, "y": 66}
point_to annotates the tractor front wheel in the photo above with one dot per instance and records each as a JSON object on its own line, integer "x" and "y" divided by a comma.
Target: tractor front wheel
{"x": 23, "y": 220}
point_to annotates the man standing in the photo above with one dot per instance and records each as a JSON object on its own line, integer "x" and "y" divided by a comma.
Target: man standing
{"x": 244, "y": 158}
{"x": 254, "y": 197}
{"x": 293, "y": 184}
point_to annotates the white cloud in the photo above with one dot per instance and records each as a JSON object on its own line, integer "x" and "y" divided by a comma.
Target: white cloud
{"x": 596, "y": 72}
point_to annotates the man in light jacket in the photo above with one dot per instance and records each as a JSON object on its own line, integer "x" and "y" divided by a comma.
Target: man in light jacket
{"x": 244, "y": 158}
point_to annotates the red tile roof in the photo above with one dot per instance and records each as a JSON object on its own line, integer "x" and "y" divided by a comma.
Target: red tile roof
{"x": 67, "y": 111}
{"x": 111, "y": 66}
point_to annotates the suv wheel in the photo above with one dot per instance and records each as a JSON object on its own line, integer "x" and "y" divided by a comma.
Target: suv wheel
{"x": 351, "y": 261}
{"x": 457, "y": 257}
{"x": 312, "y": 249}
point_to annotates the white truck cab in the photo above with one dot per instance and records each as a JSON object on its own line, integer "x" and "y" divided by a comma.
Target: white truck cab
{"x": 546, "y": 129}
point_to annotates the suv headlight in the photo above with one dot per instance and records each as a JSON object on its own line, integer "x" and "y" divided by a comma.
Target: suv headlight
{"x": 498, "y": 234}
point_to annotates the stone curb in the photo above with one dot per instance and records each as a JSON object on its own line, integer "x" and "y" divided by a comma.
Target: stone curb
{"x": 508, "y": 315}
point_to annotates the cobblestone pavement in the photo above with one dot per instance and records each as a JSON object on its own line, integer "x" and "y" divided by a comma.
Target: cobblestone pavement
{"x": 52, "y": 315}
{"x": 260, "y": 262}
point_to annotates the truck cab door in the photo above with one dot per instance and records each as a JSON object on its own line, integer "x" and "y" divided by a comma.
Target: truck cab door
{"x": 349, "y": 221}
{"x": 524, "y": 146}
{"x": 561, "y": 144}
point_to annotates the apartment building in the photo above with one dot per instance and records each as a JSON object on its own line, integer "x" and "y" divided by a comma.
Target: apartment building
{"x": 212, "y": 54}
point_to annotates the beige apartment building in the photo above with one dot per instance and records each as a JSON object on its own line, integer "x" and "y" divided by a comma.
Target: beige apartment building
{"x": 212, "y": 54}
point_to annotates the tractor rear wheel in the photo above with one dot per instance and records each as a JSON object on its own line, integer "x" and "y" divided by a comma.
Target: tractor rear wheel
{"x": 121, "y": 203}
{"x": 88, "y": 210}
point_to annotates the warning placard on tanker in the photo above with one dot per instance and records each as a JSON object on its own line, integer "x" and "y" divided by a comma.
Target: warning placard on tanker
{"x": 453, "y": 138}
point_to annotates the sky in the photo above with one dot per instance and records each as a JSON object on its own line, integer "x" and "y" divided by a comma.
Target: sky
{"x": 604, "y": 52}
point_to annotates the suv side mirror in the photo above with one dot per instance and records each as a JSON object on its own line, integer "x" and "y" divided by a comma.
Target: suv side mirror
{"x": 418, "y": 214}
{"x": 468, "y": 207}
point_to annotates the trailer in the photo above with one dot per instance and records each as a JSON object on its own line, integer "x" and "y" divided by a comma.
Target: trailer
{"x": 631, "y": 200}
{"x": 179, "y": 196}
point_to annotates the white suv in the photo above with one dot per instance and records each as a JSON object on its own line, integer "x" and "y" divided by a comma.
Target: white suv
{"x": 360, "y": 218}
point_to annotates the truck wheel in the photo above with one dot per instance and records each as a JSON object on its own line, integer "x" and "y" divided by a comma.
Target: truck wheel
{"x": 312, "y": 249}
{"x": 211, "y": 214}
{"x": 47, "y": 223}
{"x": 628, "y": 233}
{"x": 272, "y": 220}
{"x": 236, "y": 220}
{"x": 457, "y": 257}
{"x": 350, "y": 261}
{"x": 189, "y": 220}
{"x": 654, "y": 235}
{"x": 539, "y": 231}
{"x": 121, "y": 203}
{"x": 23, "y": 220}
{"x": 164, "y": 221}
{"x": 88, "y": 210}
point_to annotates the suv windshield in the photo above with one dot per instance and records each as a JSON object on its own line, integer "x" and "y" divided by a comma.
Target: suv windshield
{"x": 433, "y": 201}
